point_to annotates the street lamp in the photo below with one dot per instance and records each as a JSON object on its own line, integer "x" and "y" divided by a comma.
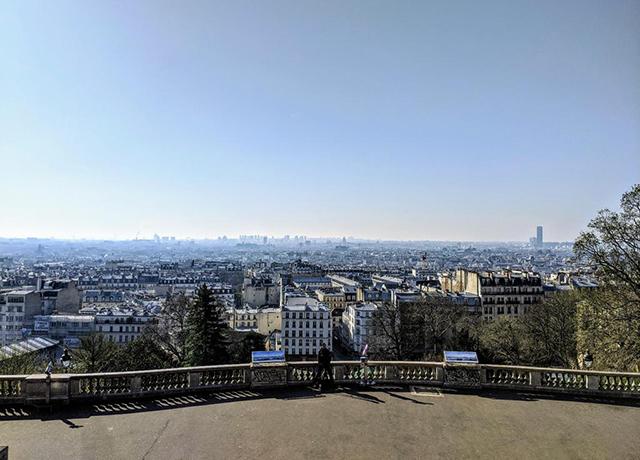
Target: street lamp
{"x": 587, "y": 359}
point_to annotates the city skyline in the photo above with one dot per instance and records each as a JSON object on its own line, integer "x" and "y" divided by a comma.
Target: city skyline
{"x": 259, "y": 238}
{"x": 419, "y": 121}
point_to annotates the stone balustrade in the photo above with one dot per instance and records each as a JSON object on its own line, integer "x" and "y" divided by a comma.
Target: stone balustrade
{"x": 43, "y": 390}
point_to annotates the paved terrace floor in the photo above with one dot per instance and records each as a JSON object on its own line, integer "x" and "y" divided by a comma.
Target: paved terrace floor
{"x": 390, "y": 422}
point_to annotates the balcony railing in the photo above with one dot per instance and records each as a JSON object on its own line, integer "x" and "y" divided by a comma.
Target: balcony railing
{"x": 40, "y": 389}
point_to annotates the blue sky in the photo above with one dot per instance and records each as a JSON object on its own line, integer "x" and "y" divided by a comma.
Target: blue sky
{"x": 398, "y": 120}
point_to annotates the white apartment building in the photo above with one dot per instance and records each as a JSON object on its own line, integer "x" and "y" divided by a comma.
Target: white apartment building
{"x": 122, "y": 325}
{"x": 15, "y": 307}
{"x": 306, "y": 324}
{"x": 357, "y": 325}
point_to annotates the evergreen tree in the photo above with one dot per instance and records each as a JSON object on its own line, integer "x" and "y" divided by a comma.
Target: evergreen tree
{"x": 207, "y": 332}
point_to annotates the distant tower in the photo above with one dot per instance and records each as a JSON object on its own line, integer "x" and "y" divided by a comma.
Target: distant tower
{"x": 539, "y": 240}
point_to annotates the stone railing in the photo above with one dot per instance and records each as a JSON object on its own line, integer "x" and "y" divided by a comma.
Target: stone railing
{"x": 600, "y": 383}
{"x": 46, "y": 390}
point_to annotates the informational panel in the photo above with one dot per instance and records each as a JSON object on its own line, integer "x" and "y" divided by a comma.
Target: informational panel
{"x": 468, "y": 357}
{"x": 267, "y": 356}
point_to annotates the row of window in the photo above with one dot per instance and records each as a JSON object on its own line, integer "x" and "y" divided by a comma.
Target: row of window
{"x": 122, "y": 338}
{"x": 305, "y": 315}
{"x": 306, "y": 324}
{"x": 307, "y": 342}
{"x": 306, "y": 334}
{"x": 501, "y": 310}
{"x": 126, "y": 329}
{"x": 10, "y": 318}
{"x": 245, "y": 324}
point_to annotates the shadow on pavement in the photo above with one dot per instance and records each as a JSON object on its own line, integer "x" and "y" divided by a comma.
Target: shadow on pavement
{"x": 405, "y": 398}
{"x": 527, "y": 396}
{"x": 367, "y": 394}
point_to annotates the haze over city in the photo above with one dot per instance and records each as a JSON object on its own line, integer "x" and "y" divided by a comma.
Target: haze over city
{"x": 337, "y": 229}
{"x": 424, "y": 121}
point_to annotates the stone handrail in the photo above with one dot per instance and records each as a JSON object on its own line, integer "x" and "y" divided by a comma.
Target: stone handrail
{"x": 40, "y": 389}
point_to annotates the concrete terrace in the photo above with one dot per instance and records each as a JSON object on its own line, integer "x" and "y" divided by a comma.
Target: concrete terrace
{"x": 351, "y": 423}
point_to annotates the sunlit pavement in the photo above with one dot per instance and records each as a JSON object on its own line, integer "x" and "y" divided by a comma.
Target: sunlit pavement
{"x": 349, "y": 423}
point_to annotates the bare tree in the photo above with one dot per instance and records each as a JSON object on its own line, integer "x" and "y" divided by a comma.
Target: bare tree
{"x": 386, "y": 340}
{"x": 442, "y": 320}
{"x": 416, "y": 330}
{"x": 171, "y": 331}
{"x": 551, "y": 330}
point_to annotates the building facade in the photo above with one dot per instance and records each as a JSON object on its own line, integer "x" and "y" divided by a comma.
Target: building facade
{"x": 357, "y": 325}
{"x": 306, "y": 324}
{"x": 502, "y": 293}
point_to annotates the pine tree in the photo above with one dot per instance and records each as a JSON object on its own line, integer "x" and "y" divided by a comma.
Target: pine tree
{"x": 207, "y": 334}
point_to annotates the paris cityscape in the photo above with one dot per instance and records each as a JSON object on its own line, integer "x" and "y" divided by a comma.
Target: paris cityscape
{"x": 303, "y": 229}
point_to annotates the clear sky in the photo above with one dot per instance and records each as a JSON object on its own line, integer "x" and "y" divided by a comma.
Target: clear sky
{"x": 464, "y": 120}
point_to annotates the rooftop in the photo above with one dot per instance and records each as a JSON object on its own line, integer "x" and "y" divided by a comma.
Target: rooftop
{"x": 390, "y": 422}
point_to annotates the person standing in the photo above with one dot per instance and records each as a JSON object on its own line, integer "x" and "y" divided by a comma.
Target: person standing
{"x": 324, "y": 365}
{"x": 364, "y": 367}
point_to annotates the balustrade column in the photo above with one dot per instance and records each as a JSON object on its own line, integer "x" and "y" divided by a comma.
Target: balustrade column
{"x": 136, "y": 384}
{"x": 593, "y": 382}
{"x": 194, "y": 379}
{"x": 535, "y": 378}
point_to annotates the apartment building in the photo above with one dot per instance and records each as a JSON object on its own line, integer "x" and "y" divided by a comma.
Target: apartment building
{"x": 306, "y": 324}
{"x": 357, "y": 325}
{"x": 502, "y": 293}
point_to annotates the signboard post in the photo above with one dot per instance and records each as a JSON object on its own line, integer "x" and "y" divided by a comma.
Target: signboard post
{"x": 461, "y": 369}
{"x": 268, "y": 369}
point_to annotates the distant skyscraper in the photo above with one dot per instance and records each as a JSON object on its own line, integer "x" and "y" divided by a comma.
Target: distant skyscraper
{"x": 539, "y": 240}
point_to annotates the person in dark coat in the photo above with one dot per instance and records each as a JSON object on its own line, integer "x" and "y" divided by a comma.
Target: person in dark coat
{"x": 324, "y": 365}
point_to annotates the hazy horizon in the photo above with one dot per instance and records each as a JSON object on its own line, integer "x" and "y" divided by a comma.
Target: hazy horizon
{"x": 277, "y": 237}
{"x": 414, "y": 121}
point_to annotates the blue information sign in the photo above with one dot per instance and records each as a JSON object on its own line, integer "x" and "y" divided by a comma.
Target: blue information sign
{"x": 267, "y": 356}
{"x": 461, "y": 357}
